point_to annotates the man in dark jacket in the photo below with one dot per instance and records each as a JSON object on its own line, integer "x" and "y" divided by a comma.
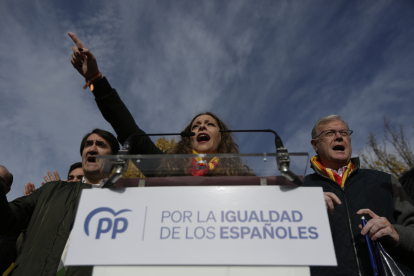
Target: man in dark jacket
{"x": 350, "y": 193}
{"x": 7, "y": 242}
{"x": 75, "y": 174}
{"x": 49, "y": 212}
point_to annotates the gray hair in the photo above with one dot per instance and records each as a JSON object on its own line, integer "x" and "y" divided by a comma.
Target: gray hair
{"x": 325, "y": 120}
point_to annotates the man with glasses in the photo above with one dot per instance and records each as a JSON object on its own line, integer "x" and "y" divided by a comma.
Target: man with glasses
{"x": 350, "y": 193}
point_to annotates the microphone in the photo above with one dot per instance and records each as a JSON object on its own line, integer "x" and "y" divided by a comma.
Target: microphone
{"x": 120, "y": 163}
{"x": 282, "y": 155}
{"x": 278, "y": 141}
{"x": 127, "y": 143}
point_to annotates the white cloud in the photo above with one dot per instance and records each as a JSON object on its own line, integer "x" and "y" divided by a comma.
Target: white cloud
{"x": 279, "y": 65}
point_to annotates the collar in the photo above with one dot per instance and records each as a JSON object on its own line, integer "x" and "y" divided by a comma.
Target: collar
{"x": 354, "y": 160}
{"x": 103, "y": 181}
{"x": 340, "y": 171}
{"x": 319, "y": 169}
{"x": 200, "y": 166}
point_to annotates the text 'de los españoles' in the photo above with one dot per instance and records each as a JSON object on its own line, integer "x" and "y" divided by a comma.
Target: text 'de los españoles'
{"x": 235, "y": 224}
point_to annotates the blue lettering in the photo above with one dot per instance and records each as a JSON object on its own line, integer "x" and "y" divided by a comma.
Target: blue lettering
{"x": 268, "y": 231}
{"x": 233, "y": 230}
{"x": 285, "y": 216}
{"x": 261, "y": 217}
{"x": 294, "y": 217}
{"x": 208, "y": 231}
{"x": 223, "y": 231}
{"x": 169, "y": 232}
{"x": 244, "y": 231}
{"x": 315, "y": 234}
{"x": 106, "y": 230}
{"x": 186, "y": 234}
{"x": 175, "y": 232}
{"x": 163, "y": 216}
{"x": 239, "y": 218}
{"x": 302, "y": 231}
{"x": 195, "y": 233}
{"x": 253, "y": 216}
{"x": 122, "y": 230}
{"x": 211, "y": 216}
{"x": 255, "y": 233}
{"x": 290, "y": 234}
{"x": 179, "y": 218}
{"x": 187, "y": 214}
{"x": 284, "y": 231}
{"x": 222, "y": 216}
{"x": 232, "y": 218}
{"x": 271, "y": 217}
{"x": 198, "y": 217}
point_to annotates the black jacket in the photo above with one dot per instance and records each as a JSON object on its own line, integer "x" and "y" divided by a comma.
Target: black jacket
{"x": 47, "y": 214}
{"x": 382, "y": 194}
{"x": 116, "y": 113}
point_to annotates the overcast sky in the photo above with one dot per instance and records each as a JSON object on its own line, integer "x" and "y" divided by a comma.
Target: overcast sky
{"x": 256, "y": 64}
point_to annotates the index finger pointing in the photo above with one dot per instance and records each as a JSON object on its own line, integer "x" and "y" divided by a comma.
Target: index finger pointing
{"x": 76, "y": 40}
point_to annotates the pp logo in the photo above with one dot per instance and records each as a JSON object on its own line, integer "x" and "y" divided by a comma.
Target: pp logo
{"x": 118, "y": 222}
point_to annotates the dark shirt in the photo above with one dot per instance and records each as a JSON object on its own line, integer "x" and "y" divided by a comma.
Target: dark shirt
{"x": 7, "y": 251}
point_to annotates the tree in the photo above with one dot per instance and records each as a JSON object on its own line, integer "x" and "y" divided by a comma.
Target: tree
{"x": 161, "y": 143}
{"x": 375, "y": 155}
{"x": 165, "y": 144}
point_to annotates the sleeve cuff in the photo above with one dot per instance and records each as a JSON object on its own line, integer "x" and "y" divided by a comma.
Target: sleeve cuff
{"x": 406, "y": 239}
{"x": 101, "y": 88}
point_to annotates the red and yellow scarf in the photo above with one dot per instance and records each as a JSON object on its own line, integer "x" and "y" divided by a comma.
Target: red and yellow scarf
{"x": 316, "y": 163}
{"x": 200, "y": 167}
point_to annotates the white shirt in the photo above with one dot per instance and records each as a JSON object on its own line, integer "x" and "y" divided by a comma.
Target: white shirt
{"x": 103, "y": 181}
{"x": 340, "y": 171}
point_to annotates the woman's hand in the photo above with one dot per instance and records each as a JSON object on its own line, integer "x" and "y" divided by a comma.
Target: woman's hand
{"x": 28, "y": 189}
{"x": 83, "y": 60}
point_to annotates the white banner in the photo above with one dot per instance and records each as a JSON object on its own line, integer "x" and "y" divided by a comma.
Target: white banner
{"x": 243, "y": 225}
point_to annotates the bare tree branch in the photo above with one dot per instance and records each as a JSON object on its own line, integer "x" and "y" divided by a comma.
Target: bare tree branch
{"x": 375, "y": 155}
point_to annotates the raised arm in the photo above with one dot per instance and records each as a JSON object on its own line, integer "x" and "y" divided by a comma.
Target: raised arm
{"x": 15, "y": 216}
{"x": 109, "y": 103}
{"x": 83, "y": 60}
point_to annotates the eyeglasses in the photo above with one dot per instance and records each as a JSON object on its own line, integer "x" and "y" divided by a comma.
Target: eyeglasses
{"x": 330, "y": 133}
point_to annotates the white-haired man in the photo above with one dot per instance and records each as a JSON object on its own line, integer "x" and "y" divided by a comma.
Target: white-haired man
{"x": 350, "y": 193}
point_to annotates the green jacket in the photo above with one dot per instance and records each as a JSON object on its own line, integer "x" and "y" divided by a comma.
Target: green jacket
{"x": 48, "y": 215}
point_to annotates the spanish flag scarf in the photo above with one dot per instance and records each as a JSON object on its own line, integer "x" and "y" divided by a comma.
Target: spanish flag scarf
{"x": 316, "y": 164}
{"x": 200, "y": 167}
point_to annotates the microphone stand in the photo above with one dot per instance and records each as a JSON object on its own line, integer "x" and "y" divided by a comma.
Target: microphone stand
{"x": 282, "y": 155}
{"x": 120, "y": 163}
{"x": 120, "y": 167}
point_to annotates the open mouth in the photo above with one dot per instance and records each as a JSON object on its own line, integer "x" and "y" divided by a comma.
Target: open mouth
{"x": 92, "y": 159}
{"x": 203, "y": 137}
{"x": 339, "y": 148}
